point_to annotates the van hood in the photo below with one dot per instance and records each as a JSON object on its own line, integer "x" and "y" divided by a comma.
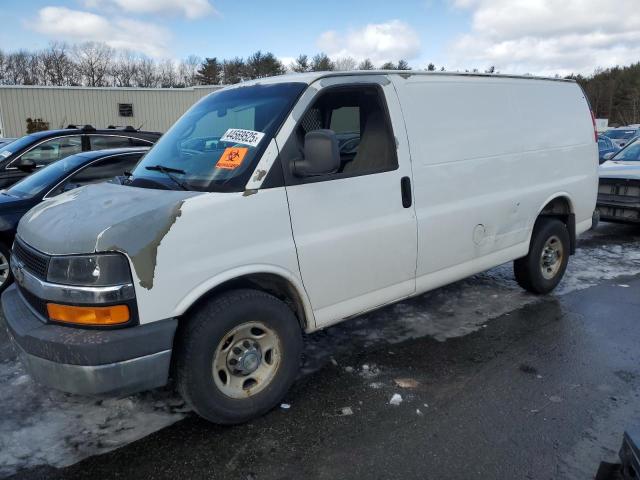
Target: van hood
{"x": 105, "y": 217}
{"x": 618, "y": 169}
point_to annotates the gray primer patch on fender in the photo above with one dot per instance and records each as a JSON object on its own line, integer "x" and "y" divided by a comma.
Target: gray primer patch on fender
{"x": 106, "y": 217}
{"x": 143, "y": 248}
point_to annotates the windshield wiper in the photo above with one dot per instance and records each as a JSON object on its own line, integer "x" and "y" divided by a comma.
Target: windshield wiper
{"x": 169, "y": 171}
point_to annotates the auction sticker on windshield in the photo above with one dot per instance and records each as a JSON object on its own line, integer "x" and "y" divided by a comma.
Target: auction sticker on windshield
{"x": 232, "y": 158}
{"x": 245, "y": 137}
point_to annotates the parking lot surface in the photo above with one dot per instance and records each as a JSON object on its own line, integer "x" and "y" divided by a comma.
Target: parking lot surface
{"x": 475, "y": 380}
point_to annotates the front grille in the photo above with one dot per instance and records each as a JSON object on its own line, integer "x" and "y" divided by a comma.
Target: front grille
{"x": 620, "y": 189}
{"x": 39, "y": 305}
{"x": 34, "y": 261}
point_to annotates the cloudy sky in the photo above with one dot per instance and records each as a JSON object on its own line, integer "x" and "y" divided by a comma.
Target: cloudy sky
{"x": 542, "y": 37}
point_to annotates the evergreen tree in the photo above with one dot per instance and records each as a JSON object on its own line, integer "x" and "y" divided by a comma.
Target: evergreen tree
{"x": 209, "y": 72}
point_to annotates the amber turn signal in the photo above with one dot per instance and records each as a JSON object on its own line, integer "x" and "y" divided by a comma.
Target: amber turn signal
{"x": 113, "y": 315}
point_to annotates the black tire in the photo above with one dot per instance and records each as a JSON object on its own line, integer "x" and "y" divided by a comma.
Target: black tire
{"x": 6, "y": 281}
{"x": 528, "y": 270}
{"x": 203, "y": 333}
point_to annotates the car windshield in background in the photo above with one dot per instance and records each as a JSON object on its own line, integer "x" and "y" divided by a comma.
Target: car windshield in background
{"x": 215, "y": 145}
{"x": 17, "y": 145}
{"x": 36, "y": 182}
{"x": 620, "y": 134}
{"x": 631, "y": 153}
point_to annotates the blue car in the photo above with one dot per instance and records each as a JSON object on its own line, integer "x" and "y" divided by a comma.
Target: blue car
{"x": 605, "y": 146}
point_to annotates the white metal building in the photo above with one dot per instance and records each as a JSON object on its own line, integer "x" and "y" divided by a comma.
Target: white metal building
{"x": 149, "y": 108}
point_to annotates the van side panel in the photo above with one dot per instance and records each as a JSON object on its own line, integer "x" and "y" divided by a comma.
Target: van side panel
{"x": 487, "y": 153}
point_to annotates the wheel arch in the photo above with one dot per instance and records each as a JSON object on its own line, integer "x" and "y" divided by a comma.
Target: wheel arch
{"x": 268, "y": 278}
{"x": 560, "y": 206}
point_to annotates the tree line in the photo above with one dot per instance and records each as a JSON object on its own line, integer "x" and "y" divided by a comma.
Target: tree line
{"x": 614, "y": 93}
{"x": 96, "y": 64}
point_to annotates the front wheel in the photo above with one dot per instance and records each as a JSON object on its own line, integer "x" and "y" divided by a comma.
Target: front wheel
{"x": 543, "y": 268}
{"x": 238, "y": 356}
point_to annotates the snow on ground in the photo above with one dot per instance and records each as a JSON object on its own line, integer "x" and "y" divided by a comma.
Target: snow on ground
{"x": 611, "y": 251}
{"x": 40, "y": 426}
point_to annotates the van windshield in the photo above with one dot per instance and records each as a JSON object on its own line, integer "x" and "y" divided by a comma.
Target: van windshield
{"x": 217, "y": 143}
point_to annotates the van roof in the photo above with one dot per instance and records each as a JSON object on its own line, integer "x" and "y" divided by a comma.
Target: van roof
{"x": 310, "y": 77}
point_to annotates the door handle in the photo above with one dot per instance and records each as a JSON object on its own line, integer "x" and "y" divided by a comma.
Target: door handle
{"x": 405, "y": 188}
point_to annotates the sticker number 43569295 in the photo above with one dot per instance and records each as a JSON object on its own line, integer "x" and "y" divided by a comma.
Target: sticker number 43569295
{"x": 244, "y": 137}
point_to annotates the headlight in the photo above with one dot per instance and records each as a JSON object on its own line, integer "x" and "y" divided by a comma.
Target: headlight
{"x": 90, "y": 270}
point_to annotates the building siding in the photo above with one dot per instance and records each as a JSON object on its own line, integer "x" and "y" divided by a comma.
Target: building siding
{"x": 153, "y": 109}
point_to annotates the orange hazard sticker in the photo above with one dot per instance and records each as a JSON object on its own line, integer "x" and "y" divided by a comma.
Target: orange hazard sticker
{"x": 232, "y": 158}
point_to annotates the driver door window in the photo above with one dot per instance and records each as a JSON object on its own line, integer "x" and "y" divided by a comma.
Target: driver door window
{"x": 54, "y": 150}
{"x": 362, "y": 128}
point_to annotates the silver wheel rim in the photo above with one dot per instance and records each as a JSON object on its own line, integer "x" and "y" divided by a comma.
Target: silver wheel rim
{"x": 4, "y": 269}
{"x": 552, "y": 257}
{"x": 246, "y": 360}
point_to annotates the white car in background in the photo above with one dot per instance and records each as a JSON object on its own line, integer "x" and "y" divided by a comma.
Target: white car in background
{"x": 619, "y": 187}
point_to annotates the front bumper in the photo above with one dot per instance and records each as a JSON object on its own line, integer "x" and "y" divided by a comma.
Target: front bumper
{"x": 89, "y": 362}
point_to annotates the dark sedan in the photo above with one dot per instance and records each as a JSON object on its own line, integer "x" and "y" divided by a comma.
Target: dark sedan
{"x": 61, "y": 176}
{"x": 32, "y": 152}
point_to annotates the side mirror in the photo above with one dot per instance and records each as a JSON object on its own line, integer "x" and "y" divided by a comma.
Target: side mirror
{"x": 321, "y": 154}
{"x": 608, "y": 156}
{"x": 25, "y": 165}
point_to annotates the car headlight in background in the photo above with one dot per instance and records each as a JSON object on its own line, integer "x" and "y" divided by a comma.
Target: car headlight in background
{"x": 102, "y": 269}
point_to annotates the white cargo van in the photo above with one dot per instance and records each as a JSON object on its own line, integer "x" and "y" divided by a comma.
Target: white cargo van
{"x": 285, "y": 205}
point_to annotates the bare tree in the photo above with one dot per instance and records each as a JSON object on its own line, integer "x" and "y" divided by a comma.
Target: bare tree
{"x": 3, "y": 68}
{"x": 188, "y": 69}
{"x": 145, "y": 73}
{"x": 94, "y": 62}
{"x": 124, "y": 69}
{"x": 366, "y": 65}
{"x": 345, "y": 64}
{"x": 59, "y": 68}
{"x": 18, "y": 71}
{"x": 167, "y": 74}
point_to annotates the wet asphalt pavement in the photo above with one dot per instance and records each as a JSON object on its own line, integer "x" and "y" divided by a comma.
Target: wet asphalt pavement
{"x": 542, "y": 391}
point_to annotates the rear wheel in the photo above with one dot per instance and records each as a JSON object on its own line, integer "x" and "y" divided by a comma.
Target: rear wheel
{"x": 5, "y": 271}
{"x": 238, "y": 355}
{"x": 543, "y": 268}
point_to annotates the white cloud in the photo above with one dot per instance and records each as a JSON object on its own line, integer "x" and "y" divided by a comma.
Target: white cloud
{"x": 382, "y": 42}
{"x": 62, "y": 23}
{"x": 548, "y": 36}
{"x": 191, "y": 9}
